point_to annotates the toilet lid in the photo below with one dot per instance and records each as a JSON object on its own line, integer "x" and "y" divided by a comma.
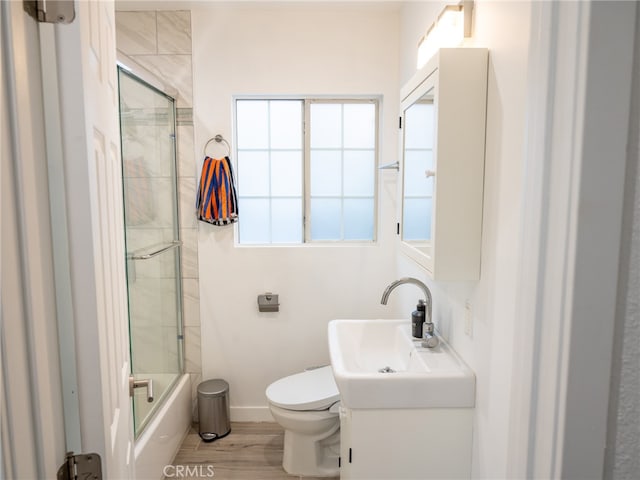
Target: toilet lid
{"x": 309, "y": 390}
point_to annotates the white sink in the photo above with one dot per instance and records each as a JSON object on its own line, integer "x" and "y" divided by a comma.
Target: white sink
{"x": 378, "y": 364}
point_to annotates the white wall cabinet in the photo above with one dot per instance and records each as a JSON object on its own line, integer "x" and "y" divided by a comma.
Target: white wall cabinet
{"x": 443, "y": 139}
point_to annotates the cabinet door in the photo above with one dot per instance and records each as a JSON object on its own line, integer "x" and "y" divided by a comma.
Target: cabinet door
{"x": 406, "y": 444}
{"x": 444, "y": 110}
{"x": 345, "y": 443}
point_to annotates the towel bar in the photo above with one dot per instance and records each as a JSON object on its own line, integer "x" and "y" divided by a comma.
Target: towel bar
{"x": 219, "y": 139}
{"x": 164, "y": 248}
{"x": 390, "y": 166}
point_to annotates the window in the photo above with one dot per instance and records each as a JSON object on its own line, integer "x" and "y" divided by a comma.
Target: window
{"x": 299, "y": 185}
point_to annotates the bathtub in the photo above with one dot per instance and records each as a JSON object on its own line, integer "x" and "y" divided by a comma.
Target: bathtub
{"x": 163, "y": 435}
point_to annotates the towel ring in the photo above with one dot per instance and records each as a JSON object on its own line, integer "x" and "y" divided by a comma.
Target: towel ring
{"x": 218, "y": 139}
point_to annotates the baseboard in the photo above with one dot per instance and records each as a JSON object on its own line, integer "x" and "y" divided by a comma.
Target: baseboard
{"x": 251, "y": 414}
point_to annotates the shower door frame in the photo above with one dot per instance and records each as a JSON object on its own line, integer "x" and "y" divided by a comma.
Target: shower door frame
{"x": 133, "y": 69}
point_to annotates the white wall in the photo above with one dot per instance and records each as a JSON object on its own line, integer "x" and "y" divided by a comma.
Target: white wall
{"x": 623, "y": 459}
{"x": 623, "y": 455}
{"x": 289, "y": 49}
{"x": 415, "y": 19}
{"x": 502, "y": 27}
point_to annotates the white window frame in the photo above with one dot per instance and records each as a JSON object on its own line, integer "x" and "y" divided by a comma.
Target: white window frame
{"x": 307, "y": 101}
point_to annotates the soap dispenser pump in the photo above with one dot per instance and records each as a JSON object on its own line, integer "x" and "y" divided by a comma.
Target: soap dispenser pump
{"x": 417, "y": 319}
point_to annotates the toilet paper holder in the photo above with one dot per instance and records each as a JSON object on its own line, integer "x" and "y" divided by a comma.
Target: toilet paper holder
{"x": 268, "y": 302}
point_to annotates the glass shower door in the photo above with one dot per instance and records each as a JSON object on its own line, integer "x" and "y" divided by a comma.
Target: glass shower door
{"x": 147, "y": 126}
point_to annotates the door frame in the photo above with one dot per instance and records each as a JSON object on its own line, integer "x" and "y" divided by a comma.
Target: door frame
{"x": 33, "y": 433}
{"x": 578, "y": 115}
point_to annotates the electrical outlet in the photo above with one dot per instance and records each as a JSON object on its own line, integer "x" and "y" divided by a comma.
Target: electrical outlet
{"x": 468, "y": 319}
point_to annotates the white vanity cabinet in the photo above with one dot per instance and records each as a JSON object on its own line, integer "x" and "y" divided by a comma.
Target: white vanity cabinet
{"x": 406, "y": 412}
{"x": 405, "y": 444}
{"x": 442, "y": 169}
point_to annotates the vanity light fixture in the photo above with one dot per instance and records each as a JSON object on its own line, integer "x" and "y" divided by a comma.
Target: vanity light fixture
{"x": 450, "y": 29}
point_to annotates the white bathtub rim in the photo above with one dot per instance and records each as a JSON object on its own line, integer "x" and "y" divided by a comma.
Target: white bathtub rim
{"x": 175, "y": 413}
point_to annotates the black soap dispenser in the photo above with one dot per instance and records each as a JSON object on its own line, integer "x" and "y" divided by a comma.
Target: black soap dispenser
{"x": 417, "y": 319}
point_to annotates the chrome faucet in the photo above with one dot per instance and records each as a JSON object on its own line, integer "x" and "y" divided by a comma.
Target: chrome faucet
{"x": 429, "y": 338}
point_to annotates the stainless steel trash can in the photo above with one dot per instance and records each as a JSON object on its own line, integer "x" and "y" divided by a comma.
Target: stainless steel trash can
{"x": 213, "y": 409}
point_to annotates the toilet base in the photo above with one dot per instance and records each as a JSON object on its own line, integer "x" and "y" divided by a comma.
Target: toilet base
{"x": 306, "y": 457}
{"x": 301, "y": 405}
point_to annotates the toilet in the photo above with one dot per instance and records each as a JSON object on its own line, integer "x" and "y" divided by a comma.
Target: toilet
{"x": 306, "y": 406}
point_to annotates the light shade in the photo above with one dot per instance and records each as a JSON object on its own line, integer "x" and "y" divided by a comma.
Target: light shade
{"x": 449, "y": 30}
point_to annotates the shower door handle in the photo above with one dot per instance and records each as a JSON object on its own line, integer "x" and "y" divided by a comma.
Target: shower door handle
{"x": 148, "y": 383}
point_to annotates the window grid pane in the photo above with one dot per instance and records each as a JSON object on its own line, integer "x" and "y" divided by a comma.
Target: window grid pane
{"x": 346, "y": 178}
{"x": 273, "y": 140}
{"x": 341, "y": 166}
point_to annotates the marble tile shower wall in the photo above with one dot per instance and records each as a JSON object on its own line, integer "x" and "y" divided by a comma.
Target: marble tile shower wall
{"x": 161, "y": 42}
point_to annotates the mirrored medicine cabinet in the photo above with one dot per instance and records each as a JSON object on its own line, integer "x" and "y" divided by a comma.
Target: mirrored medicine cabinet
{"x": 442, "y": 168}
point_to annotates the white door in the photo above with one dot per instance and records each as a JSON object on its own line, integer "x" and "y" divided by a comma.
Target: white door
{"x": 62, "y": 230}
{"x": 88, "y": 126}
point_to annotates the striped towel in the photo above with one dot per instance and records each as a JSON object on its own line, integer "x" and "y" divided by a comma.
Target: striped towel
{"x": 217, "y": 201}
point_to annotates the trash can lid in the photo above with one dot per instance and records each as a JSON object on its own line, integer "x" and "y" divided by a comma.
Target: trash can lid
{"x": 213, "y": 388}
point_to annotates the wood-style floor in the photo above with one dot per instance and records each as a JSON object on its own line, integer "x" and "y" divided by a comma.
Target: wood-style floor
{"x": 252, "y": 451}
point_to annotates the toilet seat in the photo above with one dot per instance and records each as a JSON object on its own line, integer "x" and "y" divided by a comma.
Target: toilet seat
{"x": 310, "y": 390}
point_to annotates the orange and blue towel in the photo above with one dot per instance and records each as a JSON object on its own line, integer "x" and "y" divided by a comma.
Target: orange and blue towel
{"x": 217, "y": 201}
